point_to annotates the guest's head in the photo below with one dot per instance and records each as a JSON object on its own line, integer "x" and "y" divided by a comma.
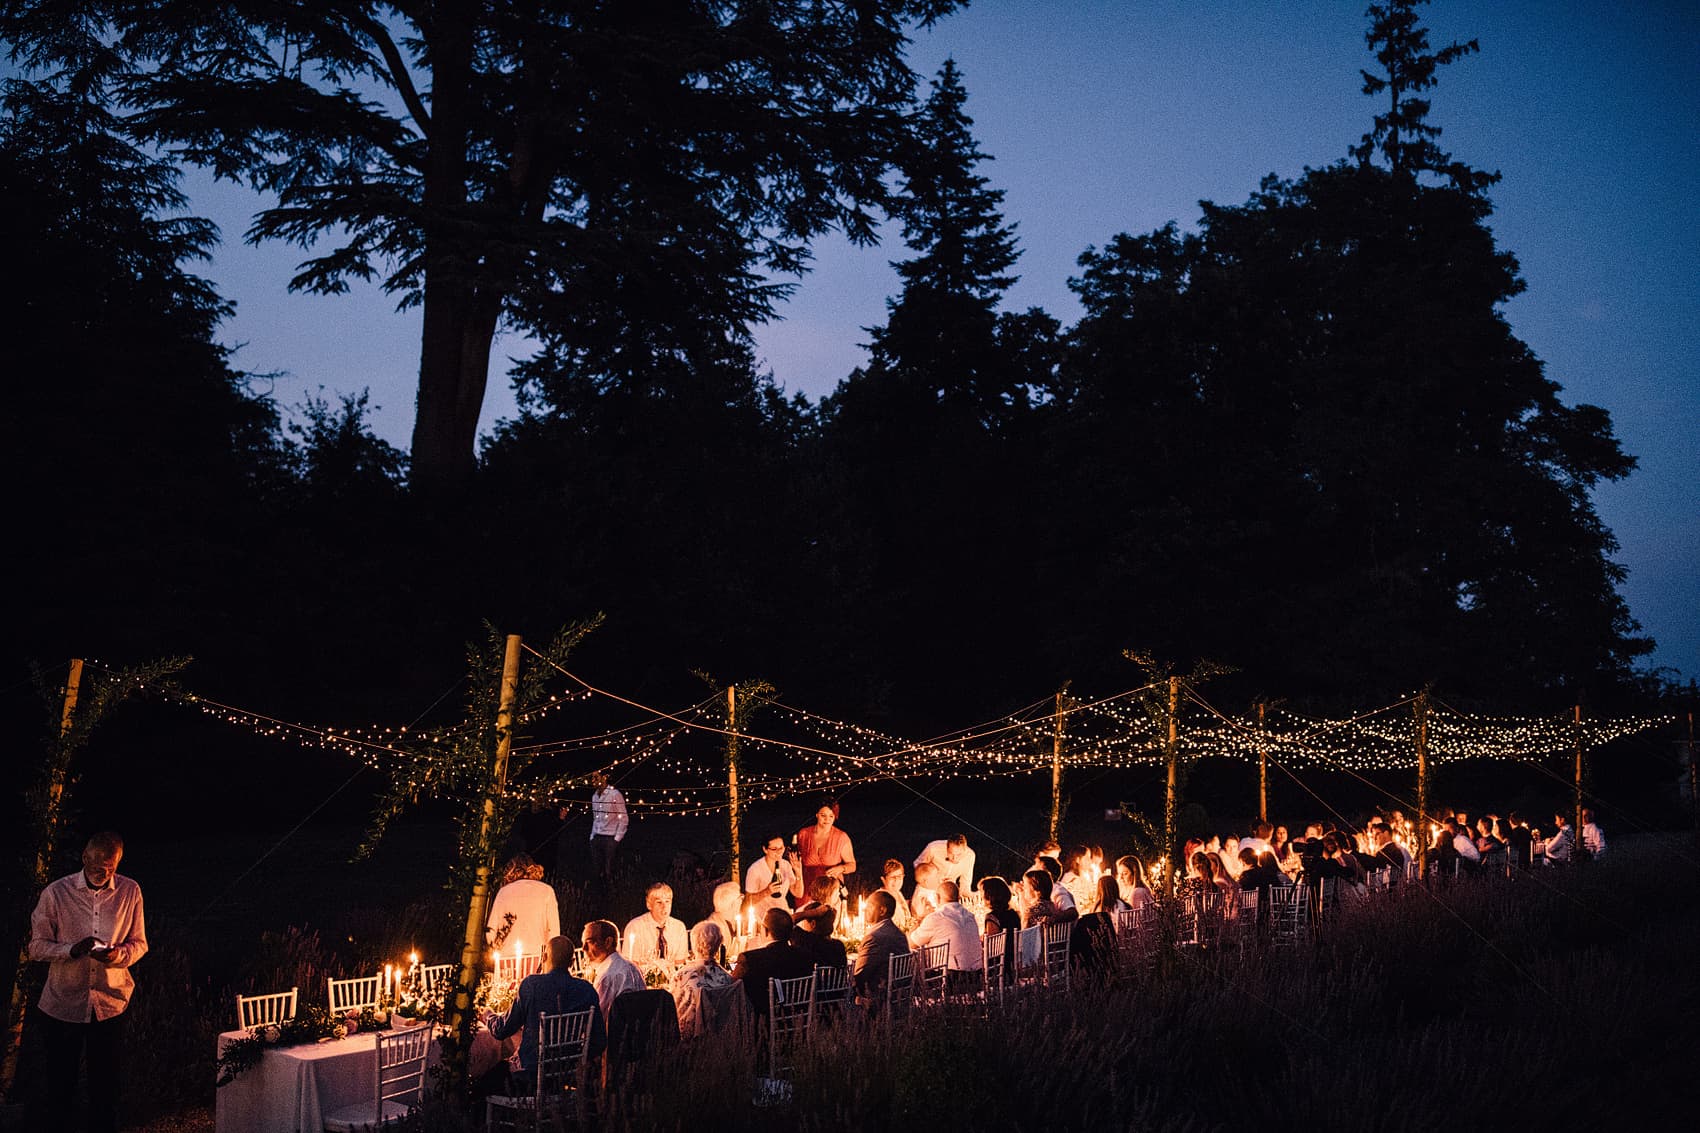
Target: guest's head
{"x": 518, "y": 868}
{"x": 1130, "y": 871}
{"x": 1051, "y": 869}
{"x": 824, "y": 890}
{"x": 1267, "y": 858}
{"x": 728, "y": 896}
{"x": 777, "y": 924}
{"x": 774, "y": 848}
{"x": 1038, "y": 883}
{"x": 949, "y": 892}
{"x": 957, "y": 848}
{"x": 881, "y": 906}
{"x": 559, "y": 953}
{"x": 891, "y": 877}
{"x": 599, "y": 939}
{"x": 996, "y": 892}
{"x": 826, "y": 814}
{"x": 818, "y": 919}
{"x": 659, "y": 901}
{"x": 1108, "y": 894}
{"x": 1248, "y": 857}
{"x": 598, "y": 781}
{"x": 1072, "y": 858}
{"x": 1265, "y": 831}
{"x": 706, "y": 939}
{"x": 101, "y": 857}
{"x": 1198, "y": 865}
{"x": 927, "y": 875}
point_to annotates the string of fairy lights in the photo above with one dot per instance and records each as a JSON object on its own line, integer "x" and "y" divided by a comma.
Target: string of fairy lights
{"x": 672, "y": 762}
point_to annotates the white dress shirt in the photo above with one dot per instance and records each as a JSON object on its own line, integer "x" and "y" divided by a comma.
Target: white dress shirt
{"x": 642, "y": 940}
{"x": 924, "y": 901}
{"x": 955, "y": 924}
{"x": 1593, "y": 840}
{"x": 608, "y": 813}
{"x": 612, "y": 975}
{"x": 758, "y": 879}
{"x": 1466, "y": 847}
{"x": 960, "y": 871}
{"x": 85, "y": 989}
{"x": 1063, "y": 899}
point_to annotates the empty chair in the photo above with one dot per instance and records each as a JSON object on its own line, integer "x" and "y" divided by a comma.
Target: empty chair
{"x": 354, "y": 995}
{"x": 832, "y": 991}
{"x": 1289, "y": 908}
{"x": 435, "y": 977}
{"x": 932, "y": 969}
{"x": 561, "y": 1044}
{"x": 899, "y": 987}
{"x": 401, "y": 1083}
{"x": 1056, "y": 954}
{"x": 640, "y": 1024}
{"x": 791, "y": 1020}
{"x": 260, "y": 1010}
{"x": 994, "y": 955}
{"x": 512, "y": 969}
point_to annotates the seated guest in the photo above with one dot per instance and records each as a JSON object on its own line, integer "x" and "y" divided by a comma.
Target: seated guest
{"x": 891, "y": 880}
{"x": 1037, "y": 909}
{"x": 728, "y": 897}
{"x": 1593, "y": 838}
{"x": 812, "y": 936}
{"x": 926, "y": 896}
{"x": 772, "y": 879}
{"x": 1468, "y": 855}
{"x": 553, "y": 991}
{"x": 1519, "y": 842}
{"x": 1092, "y": 944}
{"x": 1259, "y": 873}
{"x": 1390, "y": 852}
{"x": 1561, "y": 847}
{"x": 773, "y": 959}
{"x": 1062, "y": 901}
{"x": 657, "y": 934}
{"x": 882, "y": 942}
{"x": 532, "y": 904}
{"x": 823, "y": 894}
{"x": 1131, "y": 883}
{"x": 1000, "y": 917}
{"x": 1259, "y": 842}
{"x": 695, "y": 985}
{"x": 951, "y": 924}
{"x": 610, "y": 972}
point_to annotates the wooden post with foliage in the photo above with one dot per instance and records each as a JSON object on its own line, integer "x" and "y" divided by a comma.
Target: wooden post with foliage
{"x": 460, "y": 1015}
{"x": 43, "y": 864}
{"x": 1578, "y": 852}
{"x": 1057, "y": 762}
{"x": 732, "y": 780}
{"x": 1420, "y": 826}
{"x": 1262, "y": 766}
{"x": 1171, "y": 800}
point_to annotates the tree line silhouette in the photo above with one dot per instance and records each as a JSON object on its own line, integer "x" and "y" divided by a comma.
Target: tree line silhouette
{"x": 1298, "y": 437}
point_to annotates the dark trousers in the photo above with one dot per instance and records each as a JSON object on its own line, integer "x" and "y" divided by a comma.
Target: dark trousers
{"x": 67, "y": 1043}
{"x": 602, "y": 855}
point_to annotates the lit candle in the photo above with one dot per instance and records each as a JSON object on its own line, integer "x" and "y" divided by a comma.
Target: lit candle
{"x": 389, "y": 980}
{"x": 412, "y": 962}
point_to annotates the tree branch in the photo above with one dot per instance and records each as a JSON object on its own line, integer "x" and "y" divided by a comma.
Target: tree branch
{"x": 399, "y": 74}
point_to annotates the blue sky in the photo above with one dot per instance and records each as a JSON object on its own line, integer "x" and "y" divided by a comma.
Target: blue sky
{"x": 1109, "y": 116}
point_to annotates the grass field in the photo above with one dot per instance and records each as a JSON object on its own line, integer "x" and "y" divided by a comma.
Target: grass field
{"x": 1553, "y": 1000}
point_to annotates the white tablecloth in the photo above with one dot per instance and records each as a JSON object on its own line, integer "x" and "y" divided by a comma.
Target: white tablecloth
{"x": 293, "y": 1087}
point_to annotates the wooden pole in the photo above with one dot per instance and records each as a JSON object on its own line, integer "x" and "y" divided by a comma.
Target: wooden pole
{"x": 1262, "y": 769}
{"x": 1056, "y": 763}
{"x": 43, "y": 865}
{"x": 1171, "y": 794}
{"x": 460, "y": 1015}
{"x": 1577, "y": 853}
{"x": 1420, "y": 826}
{"x": 732, "y": 779}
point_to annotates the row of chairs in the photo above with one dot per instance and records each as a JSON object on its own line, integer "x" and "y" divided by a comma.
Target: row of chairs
{"x": 355, "y": 994}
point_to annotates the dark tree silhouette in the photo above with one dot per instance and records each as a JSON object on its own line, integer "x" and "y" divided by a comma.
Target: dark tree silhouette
{"x": 499, "y": 162}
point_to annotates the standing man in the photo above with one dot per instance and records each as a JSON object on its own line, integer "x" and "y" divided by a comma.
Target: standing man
{"x": 954, "y": 859}
{"x": 88, "y": 928}
{"x": 608, "y": 823}
{"x": 825, "y": 849}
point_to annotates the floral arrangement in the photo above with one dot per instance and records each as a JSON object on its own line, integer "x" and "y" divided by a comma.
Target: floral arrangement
{"x": 314, "y": 1025}
{"x": 658, "y": 975}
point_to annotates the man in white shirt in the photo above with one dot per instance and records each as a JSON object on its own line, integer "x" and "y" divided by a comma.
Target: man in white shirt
{"x": 1464, "y": 844}
{"x": 657, "y": 934}
{"x": 1560, "y": 845}
{"x": 951, "y": 923}
{"x": 954, "y": 859}
{"x": 772, "y": 877}
{"x": 1258, "y": 843}
{"x": 608, "y": 824}
{"x": 532, "y": 904}
{"x": 609, "y": 972}
{"x": 1593, "y": 838}
{"x": 88, "y": 928}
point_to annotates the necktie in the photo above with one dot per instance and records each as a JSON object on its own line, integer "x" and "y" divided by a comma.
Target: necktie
{"x": 661, "y": 942}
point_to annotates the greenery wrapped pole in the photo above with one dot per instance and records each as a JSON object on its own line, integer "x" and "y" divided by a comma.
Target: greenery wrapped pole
{"x": 1420, "y": 826}
{"x": 1057, "y": 761}
{"x": 1262, "y": 767}
{"x": 1577, "y": 851}
{"x": 1171, "y": 796}
{"x": 732, "y": 780}
{"x": 460, "y": 1014}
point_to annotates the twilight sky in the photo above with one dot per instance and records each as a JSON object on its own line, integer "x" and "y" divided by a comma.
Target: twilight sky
{"x": 1110, "y": 116}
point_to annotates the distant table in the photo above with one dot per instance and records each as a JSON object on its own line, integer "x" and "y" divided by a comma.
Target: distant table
{"x": 293, "y": 1087}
